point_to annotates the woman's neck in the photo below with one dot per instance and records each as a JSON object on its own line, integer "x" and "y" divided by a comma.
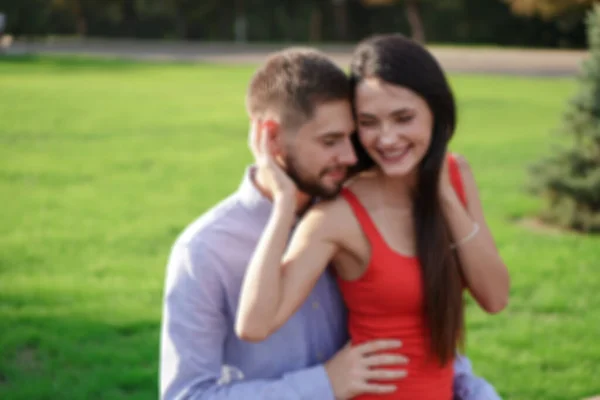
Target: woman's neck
{"x": 397, "y": 191}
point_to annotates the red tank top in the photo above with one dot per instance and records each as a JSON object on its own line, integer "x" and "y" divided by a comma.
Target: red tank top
{"x": 387, "y": 303}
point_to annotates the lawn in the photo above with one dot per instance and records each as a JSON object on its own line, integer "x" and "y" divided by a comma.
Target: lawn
{"x": 102, "y": 163}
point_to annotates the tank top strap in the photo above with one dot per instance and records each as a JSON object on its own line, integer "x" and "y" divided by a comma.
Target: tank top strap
{"x": 363, "y": 217}
{"x": 456, "y": 178}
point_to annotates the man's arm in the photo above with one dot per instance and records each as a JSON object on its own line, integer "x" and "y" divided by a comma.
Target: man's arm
{"x": 193, "y": 334}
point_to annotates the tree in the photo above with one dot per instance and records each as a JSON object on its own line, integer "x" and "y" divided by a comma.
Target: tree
{"x": 189, "y": 10}
{"x": 569, "y": 178}
{"x": 547, "y": 9}
{"x": 76, "y": 7}
{"x": 130, "y": 16}
{"x": 413, "y": 15}
{"x": 340, "y": 13}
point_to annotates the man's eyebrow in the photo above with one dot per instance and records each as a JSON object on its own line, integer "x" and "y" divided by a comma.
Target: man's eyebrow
{"x": 331, "y": 135}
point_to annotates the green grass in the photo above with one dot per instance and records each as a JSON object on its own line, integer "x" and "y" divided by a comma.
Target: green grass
{"x": 102, "y": 163}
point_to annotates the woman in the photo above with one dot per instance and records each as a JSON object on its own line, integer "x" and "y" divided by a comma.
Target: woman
{"x": 405, "y": 237}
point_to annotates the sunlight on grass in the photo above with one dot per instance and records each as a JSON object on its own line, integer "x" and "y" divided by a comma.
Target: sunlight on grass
{"x": 104, "y": 162}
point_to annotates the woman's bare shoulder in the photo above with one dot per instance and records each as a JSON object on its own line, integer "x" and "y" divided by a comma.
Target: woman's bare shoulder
{"x": 363, "y": 185}
{"x": 329, "y": 211}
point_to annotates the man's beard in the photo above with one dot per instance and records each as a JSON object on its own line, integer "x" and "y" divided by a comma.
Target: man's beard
{"x": 311, "y": 187}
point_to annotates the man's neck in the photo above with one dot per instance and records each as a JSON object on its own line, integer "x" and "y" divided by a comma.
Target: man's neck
{"x": 303, "y": 200}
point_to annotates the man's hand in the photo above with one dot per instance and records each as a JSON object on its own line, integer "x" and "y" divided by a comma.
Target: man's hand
{"x": 351, "y": 369}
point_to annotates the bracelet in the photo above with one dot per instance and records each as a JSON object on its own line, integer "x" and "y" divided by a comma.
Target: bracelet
{"x": 468, "y": 237}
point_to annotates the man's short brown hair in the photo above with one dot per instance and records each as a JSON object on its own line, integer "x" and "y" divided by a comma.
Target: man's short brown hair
{"x": 293, "y": 82}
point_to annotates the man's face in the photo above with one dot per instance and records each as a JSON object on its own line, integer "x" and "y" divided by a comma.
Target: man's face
{"x": 317, "y": 156}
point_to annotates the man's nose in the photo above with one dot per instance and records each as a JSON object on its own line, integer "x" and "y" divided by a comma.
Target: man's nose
{"x": 348, "y": 156}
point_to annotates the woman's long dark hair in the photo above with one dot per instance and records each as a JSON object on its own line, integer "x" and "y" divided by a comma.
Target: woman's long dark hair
{"x": 398, "y": 60}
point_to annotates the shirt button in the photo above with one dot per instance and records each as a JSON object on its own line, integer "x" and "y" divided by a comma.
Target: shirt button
{"x": 315, "y": 304}
{"x": 320, "y": 356}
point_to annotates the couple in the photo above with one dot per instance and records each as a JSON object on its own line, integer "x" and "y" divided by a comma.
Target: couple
{"x": 370, "y": 237}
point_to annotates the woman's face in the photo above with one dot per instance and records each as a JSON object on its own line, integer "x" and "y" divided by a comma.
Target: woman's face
{"x": 394, "y": 125}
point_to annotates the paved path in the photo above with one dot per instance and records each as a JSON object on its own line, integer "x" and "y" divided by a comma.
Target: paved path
{"x": 454, "y": 59}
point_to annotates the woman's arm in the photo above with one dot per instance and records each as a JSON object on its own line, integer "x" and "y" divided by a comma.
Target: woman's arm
{"x": 483, "y": 268}
{"x": 275, "y": 284}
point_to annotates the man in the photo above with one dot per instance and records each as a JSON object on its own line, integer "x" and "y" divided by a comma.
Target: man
{"x": 201, "y": 356}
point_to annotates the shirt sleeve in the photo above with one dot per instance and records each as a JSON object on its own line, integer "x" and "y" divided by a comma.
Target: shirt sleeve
{"x": 193, "y": 332}
{"x": 468, "y": 386}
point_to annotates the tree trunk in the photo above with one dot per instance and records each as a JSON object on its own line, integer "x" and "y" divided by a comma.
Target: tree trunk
{"x": 240, "y": 24}
{"x": 413, "y": 14}
{"x": 80, "y": 21}
{"x": 340, "y": 9}
{"x": 316, "y": 20}
{"x": 129, "y": 17}
{"x": 180, "y": 24}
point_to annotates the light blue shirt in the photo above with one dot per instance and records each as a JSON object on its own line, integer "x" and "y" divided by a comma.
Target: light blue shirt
{"x": 201, "y": 356}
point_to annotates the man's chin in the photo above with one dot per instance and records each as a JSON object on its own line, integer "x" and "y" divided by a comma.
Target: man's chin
{"x": 330, "y": 193}
{"x": 322, "y": 189}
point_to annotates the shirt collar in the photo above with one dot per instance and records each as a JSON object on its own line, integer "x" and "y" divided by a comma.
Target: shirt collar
{"x": 251, "y": 197}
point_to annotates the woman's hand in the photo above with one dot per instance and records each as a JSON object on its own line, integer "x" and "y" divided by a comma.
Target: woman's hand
{"x": 446, "y": 190}
{"x": 264, "y": 148}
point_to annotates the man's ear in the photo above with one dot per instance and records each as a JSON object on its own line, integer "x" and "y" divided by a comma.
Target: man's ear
{"x": 272, "y": 129}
